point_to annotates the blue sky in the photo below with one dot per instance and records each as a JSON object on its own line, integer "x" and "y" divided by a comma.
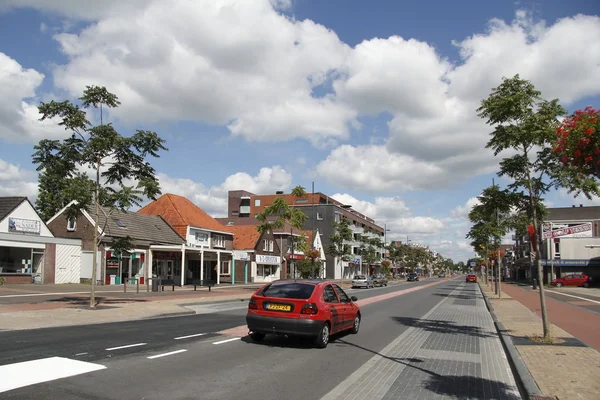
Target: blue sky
{"x": 373, "y": 101}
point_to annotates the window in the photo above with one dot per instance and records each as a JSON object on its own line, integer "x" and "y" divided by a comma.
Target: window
{"x": 329, "y": 295}
{"x": 256, "y": 202}
{"x": 71, "y": 224}
{"x": 302, "y": 201}
{"x": 320, "y": 216}
{"x": 218, "y": 241}
{"x": 201, "y": 238}
{"x": 120, "y": 223}
{"x": 267, "y": 245}
{"x": 341, "y": 294}
{"x": 301, "y": 291}
{"x": 225, "y": 268}
{"x": 265, "y": 271}
{"x": 557, "y": 248}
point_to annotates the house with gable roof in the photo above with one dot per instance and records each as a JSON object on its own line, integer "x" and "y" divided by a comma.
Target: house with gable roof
{"x": 258, "y": 256}
{"x": 208, "y": 250}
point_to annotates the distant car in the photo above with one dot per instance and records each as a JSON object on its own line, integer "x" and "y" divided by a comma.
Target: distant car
{"x": 412, "y": 277}
{"x": 441, "y": 276}
{"x": 362, "y": 281}
{"x": 471, "y": 278}
{"x": 380, "y": 280}
{"x": 570, "y": 280}
{"x": 315, "y": 309}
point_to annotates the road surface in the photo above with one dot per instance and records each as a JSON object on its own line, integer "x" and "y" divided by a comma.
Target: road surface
{"x": 431, "y": 339}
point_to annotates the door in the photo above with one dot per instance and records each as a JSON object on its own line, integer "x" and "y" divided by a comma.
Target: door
{"x": 347, "y": 308}
{"x": 336, "y": 308}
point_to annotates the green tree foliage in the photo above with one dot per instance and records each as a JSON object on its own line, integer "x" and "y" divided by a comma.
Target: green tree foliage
{"x": 121, "y": 173}
{"x": 338, "y": 246}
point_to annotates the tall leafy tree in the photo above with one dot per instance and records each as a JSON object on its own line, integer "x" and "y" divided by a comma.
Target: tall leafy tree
{"x": 114, "y": 160}
{"x": 276, "y": 215}
{"x": 525, "y": 125}
{"x": 339, "y": 246}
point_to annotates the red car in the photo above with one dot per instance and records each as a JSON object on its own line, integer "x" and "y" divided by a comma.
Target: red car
{"x": 471, "y": 278}
{"x": 570, "y": 280}
{"x": 315, "y": 309}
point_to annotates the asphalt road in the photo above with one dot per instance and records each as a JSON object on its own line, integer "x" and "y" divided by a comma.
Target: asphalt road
{"x": 168, "y": 359}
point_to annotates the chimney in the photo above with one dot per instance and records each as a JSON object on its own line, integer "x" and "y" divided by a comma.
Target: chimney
{"x": 573, "y": 206}
{"x": 581, "y": 205}
{"x": 279, "y": 192}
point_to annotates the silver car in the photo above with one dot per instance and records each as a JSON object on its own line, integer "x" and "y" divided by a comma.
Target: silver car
{"x": 362, "y": 281}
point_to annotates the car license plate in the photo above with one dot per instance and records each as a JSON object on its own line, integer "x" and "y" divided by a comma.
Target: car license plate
{"x": 279, "y": 307}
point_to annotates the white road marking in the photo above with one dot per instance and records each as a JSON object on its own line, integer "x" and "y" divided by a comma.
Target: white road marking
{"x": 126, "y": 346}
{"x": 189, "y": 336}
{"x": 227, "y": 340}
{"x": 28, "y": 373}
{"x": 55, "y": 294}
{"x": 166, "y": 354}
{"x": 80, "y": 354}
{"x": 577, "y": 297}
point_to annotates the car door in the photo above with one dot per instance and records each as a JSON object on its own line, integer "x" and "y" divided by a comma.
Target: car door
{"x": 579, "y": 280}
{"x": 348, "y": 310}
{"x": 336, "y": 308}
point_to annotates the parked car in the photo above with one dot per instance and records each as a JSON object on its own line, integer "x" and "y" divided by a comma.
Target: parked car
{"x": 362, "y": 281}
{"x": 315, "y": 309}
{"x": 570, "y": 280}
{"x": 592, "y": 282}
{"x": 412, "y": 277}
{"x": 442, "y": 275}
{"x": 380, "y": 280}
{"x": 472, "y": 278}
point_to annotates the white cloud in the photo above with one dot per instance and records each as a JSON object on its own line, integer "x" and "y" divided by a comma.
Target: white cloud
{"x": 16, "y": 181}
{"x": 19, "y": 116}
{"x": 213, "y": 199}
{"x": 436, "y": 137}
{"x": 393, "y": 212}
{"x": 462, "y": 212}
{"x": 225, "y": 62}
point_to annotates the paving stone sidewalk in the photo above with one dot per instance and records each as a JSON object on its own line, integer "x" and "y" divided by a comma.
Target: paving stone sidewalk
{"x": 453, "y": 352}
{"x": 566, "y": 369}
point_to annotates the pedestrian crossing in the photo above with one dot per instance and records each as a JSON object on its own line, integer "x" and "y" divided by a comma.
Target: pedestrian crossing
{"x": 32, "y": 372}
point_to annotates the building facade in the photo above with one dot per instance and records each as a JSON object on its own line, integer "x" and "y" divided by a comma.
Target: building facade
{"x": 29, "y": 252}
{"x": 321, "y": 211}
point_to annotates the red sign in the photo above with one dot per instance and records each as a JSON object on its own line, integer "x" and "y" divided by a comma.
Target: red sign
{"x": 296, "y": 257}
{"x": 565, "y": 231}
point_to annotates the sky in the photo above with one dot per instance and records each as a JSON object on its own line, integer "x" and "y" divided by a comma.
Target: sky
{"x": 373, "y": 101}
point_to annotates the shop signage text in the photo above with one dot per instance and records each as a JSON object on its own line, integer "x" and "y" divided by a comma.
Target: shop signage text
{"x": 579, "y": 229}
{"x": 270, "y": 260}
{"x": 20, "y": 225}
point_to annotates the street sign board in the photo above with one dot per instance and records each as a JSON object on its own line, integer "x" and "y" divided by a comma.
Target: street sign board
{"x": 357, "y": 261}
{"x": 472, "y": 264}
{"x": 578, "y": 229}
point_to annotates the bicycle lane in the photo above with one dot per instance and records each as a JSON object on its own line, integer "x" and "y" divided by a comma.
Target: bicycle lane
{"x": 582, "y": 324}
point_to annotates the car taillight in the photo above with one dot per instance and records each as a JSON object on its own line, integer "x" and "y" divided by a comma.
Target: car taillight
{"x": 252, "y": 305}
{"x": 309, "y": 309}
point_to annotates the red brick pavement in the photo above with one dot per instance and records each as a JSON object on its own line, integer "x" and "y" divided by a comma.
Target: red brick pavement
{"x": 582, "y": 324}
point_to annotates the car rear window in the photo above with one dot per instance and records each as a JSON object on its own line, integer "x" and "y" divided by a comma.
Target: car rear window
{"x": 360, "y": 277}
{"x": 301, "y": 291}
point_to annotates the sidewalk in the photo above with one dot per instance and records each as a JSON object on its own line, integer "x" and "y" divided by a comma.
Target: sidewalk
{"x": 564, "y": 369}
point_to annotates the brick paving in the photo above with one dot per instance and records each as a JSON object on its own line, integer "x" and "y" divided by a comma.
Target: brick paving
{"x": 566, "y": 369}
{"x": 452, "y": 352}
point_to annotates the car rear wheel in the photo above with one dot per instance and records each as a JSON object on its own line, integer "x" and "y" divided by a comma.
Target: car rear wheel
{"x": 356, "y": 325}
{"x": 257, "y": 336}
{"x": 558, "y": 284}
{"x": 586, "y": 284}
{"x": 322, "y": 338}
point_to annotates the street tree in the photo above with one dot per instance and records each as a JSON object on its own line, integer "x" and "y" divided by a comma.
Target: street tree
{"x": 525, "y": 125}
{"x": 338, "y": 246}
{"x": 277, "y": 214}
{"x": 121, "y": 175}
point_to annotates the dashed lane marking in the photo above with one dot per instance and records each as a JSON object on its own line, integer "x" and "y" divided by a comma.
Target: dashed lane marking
{"x": 189, "y": 336}
{"x": 126, "y": 346}
{"x": 166, "y": 354}
{"x": 227, "y": 340}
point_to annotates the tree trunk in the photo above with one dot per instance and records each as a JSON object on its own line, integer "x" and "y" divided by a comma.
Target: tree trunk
{"x": 95, "y": 249}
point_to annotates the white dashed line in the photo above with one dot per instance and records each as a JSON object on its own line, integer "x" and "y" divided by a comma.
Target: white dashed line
{"x": 125, "y": 347}
{"x": 577, "y": 297}
{"x": 189, "y": 336}
{"x": 80, "y": 354}
{"x": 227, "y": 340}
{"x": 166, "y": 354}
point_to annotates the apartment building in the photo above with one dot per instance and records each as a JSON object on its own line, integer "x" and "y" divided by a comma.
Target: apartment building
{"x": 321, "y": 211}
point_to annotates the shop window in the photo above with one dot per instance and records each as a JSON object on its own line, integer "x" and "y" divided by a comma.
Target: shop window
{"x": 225, "y": 268}
{"x": 218, "y": 241}
{"x": 264, "y": 271}
{"x": 71, "y": 224}
{"x": 267, "y": 245}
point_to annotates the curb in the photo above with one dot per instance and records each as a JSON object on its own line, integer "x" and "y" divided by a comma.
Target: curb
{"x": 169, "y": 315}
{"x": 527, "y": 386}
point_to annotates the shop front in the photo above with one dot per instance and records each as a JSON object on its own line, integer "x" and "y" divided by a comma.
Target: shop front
{"x": 121, "y": 267}
{"x": 268, "y": 268}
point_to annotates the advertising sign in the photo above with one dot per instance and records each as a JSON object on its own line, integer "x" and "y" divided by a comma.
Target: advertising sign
{"x": 269, "y": 260}
{"x": 576, "y": 229}
{"x": 19, "y": 225}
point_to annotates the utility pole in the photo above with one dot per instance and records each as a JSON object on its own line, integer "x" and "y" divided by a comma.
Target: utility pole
{"x": 312, "y": 267}
{"x": 498, "y": 289}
